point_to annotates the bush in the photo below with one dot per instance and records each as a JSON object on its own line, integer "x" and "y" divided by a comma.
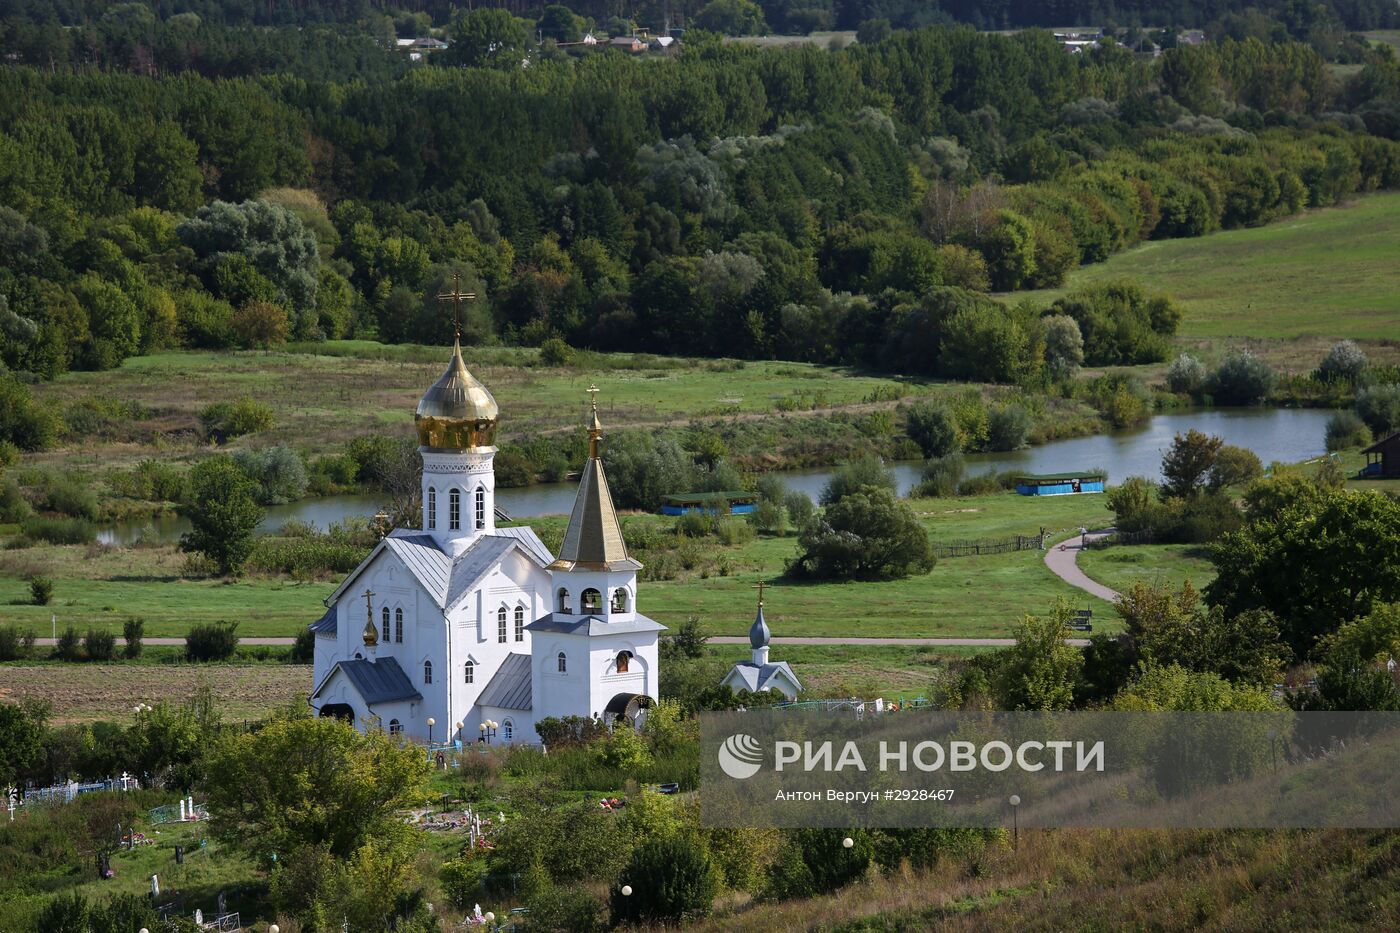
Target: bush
{"x": 800, "y": 507}
{"x": 983, "y": 484}
{"x": 24, "y": 422}
{"x": 304, "y": 648}
{"x": 1186, "y": 375}
{"x": 815, "y": 861}
{"x": 211, "y": 641}
{"x": 941, "y": 477}
{"x": 932, "y": 427}
{"x": 1234, "y": 466}
{"x": 40, "y": 590}
{"x": 555, "y": 352}
{"x": 1243, "y": 379}
{"x": 13, "y": 506}
{"x": 866, "y": 535}
{"x": 1120, "y": 323}
{"x": 1379, "y": 407}
{"x": 671, "y": 879}
{"x": 69, "y": 646}
{"x": 223, "y": 421}
{"x": 1343, "y": 363}
{"x": 863, "y": 475}
{"x": 278, "y": 474}
{"x": 99, "y": 644}
{"x": 1346, "y": 429}
{"x": 68, "y": 496}
{"x": 769, "y": 518}
{"x": 259, "y": 325}
{"x": 132, "y": 632}
{"x": 1134, "y": 504}
{"x": 14, "y": 644}
{"x": 1008, "y": 427}
{"x": 59, "y": 530}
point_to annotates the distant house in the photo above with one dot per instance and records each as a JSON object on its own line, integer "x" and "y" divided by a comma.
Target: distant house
{"x": 627, "y": 44}
{"x": 429, "y": 44}
{"x": 728, "y": 502}
{"x": 662, "y": 43}
{"x": 760, "y": 674}
{"x": 588, "y": 39}
{"x": 1383, "y": 458}
{"x": 1061, "y": 484}
{"x": 1191, "y": 37}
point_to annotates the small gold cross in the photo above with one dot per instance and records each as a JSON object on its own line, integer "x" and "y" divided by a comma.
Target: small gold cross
{"x": 457, "y": 296}
{"x": 759, "y": 586}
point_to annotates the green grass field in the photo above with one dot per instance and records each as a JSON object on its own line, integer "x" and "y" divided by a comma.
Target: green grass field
{"x": 1156, "y": 564}
{"x": 962, "y": 596}
{"x": 1328, "y": 273}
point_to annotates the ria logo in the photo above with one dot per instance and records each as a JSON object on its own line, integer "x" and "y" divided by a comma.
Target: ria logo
{"x": 740, "y": 756}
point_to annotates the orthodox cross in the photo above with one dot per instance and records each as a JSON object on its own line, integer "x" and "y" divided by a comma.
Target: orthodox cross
{"x": 457, "y": 296}
{"x": 759, "y": 586}
{"x": 593, "y": 391}
{"x": 369, "y": 606}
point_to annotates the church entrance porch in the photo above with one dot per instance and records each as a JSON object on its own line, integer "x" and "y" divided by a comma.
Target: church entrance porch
{"x": 628, "y": 707}
{"x": 338, "y": 711}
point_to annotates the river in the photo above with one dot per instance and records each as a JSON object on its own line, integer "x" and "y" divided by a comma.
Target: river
{"x": 1282, "y": 434}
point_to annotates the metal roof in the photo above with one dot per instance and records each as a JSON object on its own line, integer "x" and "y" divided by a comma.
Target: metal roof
{"x": 326, "y": 624}
{"x": 475, "y": 563}
{"x": 566, "y": 624}
{"x": 593, "y": 540}
{"x": 380, "y": 681}
{"x": 510, "y": 687}
{"x": 1380, "y": 445}
{"x": 757, "y": 678}
{"x": 531, "y": 541}
{"x": 1058, "y": 477}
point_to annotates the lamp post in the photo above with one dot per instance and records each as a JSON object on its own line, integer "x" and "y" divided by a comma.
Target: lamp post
{"x": 488, "y": 730}
{"x": 274, "y": 929}
{"x": 847, "y": 842}
{"x": 626, "y": 890}
{"x": 1015, "y": 827}
{"x": 431, "y": 722}
{"x": 458, "y": 733}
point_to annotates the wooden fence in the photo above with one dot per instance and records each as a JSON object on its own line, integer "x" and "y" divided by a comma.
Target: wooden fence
{"x": 989, "y": 546}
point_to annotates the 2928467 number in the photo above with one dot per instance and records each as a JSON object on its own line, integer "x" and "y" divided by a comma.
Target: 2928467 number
{"x": 920, "y": 794}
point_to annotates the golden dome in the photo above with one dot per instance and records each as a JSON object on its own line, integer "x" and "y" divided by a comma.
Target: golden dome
{"x": 457, "y": 412}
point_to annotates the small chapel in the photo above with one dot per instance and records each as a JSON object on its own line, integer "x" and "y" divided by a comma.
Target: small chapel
{"x": 460, "y": 631}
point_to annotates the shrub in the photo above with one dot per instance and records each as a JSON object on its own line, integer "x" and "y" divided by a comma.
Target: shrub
{"x": 1186, "y": 375}
{"x": 259, "y": 325}
{"x": 69, "y": 646}
{"x": 862, "y": 475}
{"x": 132, "y": 632}
{"x": 278, "y": 473}
{"x": 1346, "y": 429}
{"x": 769, "y": 518}
{"x": 815, "y": 861}
{"x": 1344, "y": 362}
{"x": 1243, "y": 379}
{"x": 211, "y": 641}
{"x": 99, "y": 644}
{"x": 671, "y": 879}
{"x": 1008, "y": 427}
{"x": 867, "y": 535}
{"x": 9, "y": 453}
{"x": 59, "y": 530}
{"x": 513, "y": 469}
{"x": 980, "y": 485}
{"x": 799, "y": 507}
{"x": 24, "y": 422}
{"x": 555, "y": 352}
{"x": 1120, "y": 323}
{"x": 40, "y": 590}
{"x": 13, "y": 506}
{"x": 1064, "y": 346}
{"x": 1134, "y": 504}
{"x": 932, "y": 427}
{"x": 941, "y": 477}
{"x": 223, "y": 421}
{"x": 1234, "y": 466}
{"x": 14, "y": 644}
{"x": 223, "y": 514}
{"x": 68, "y": 496}
{"x": 1379, "y": 407}
{"x": 304, "y": 648}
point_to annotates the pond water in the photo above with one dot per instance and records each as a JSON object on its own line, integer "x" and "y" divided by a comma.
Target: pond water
{"x": 1281, "y": 434}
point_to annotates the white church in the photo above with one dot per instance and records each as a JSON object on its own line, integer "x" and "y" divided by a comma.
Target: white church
{"x": 462, "y": 631}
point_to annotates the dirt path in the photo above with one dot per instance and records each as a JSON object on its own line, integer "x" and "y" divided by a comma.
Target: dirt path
{"x": 1063, "y": 561}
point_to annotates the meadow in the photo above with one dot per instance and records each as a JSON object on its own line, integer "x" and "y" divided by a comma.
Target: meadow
{"x": 1328, "y": 273}
{"x": 98, "y": 586}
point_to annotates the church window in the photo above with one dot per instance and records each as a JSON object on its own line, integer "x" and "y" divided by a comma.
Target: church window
{"x": 501, "y": 625}
{"x": 470, "y": 673}
{"x": 432, "y": 508}
{"x": 507, "y": 730}
{"x": 385, "y": 616}
{"x": 619, "y": 600}
{"x": 563, "y": 663}
{"x": 427, "y": 672}
{"x": 624, "y": 660}
{"x": 395, "y": 727}
{"x": 592, "y": 601}
{"x": 454, "y": 510}
{"x": 564, "y": 601}
{"x": 519, "y": 623}
{"x": 480, "y": 507}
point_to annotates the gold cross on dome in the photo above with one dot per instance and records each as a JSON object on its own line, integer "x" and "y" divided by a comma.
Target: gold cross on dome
{"x": 457, "y": 296}
{"x": 369, "y": 606}
{"x": 759, "y": 586}
{"x": 593, "y": 391}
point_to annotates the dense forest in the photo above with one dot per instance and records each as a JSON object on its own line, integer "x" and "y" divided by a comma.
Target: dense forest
{"x": 852, "y": 205}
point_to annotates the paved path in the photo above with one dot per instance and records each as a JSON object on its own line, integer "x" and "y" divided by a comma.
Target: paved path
{"x": 167, "y": 640}
{"x": 1062, "y": 559}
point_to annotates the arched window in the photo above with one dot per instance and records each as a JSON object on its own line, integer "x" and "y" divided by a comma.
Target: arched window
{"x": 395, "y": 727}
{"x": 592, "y": 601}
{"x": 454, "y": 510}
{"x": 432, "y": 508}
{"x": 563, "y": 663}
{"x": 624, "y": 660}
{"x": 519, "y": 623}
{"x": 398, "y": 626}
{"x": 480, "y": 507}
{"x": 619, "y": 600}
{"x": 470, "y": 677}
{"x": 385, "y": 616}
{"x": 507, "y": 731}
{"x": 563, "y": 600}
{"x": 501, "y": 625}
{"x": 427, "y": 672}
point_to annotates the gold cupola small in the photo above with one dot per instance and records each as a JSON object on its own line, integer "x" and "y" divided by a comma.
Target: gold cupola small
{"x": 457, "y": 412}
